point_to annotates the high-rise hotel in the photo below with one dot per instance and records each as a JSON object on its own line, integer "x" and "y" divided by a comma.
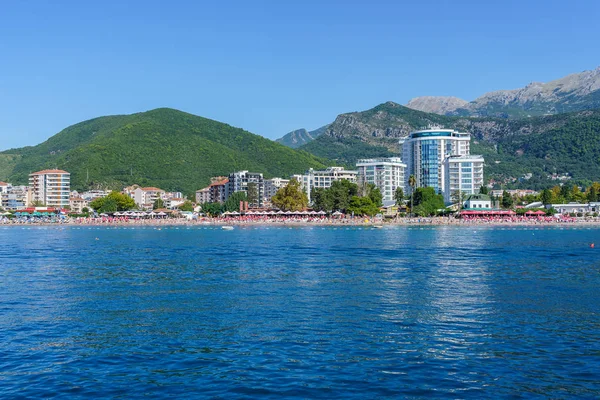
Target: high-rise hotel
{"x": 51, "y": 187}
{"x": 427, "y": 156}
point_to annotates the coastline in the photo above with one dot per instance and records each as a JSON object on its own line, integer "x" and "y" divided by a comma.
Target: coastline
{"x": 356, "y": 222}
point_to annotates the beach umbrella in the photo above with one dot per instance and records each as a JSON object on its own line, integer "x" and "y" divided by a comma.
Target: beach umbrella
{"x": 280, "y": 212}
{"x": 321, "y": 213}
{"x": 161, "y": 214}
{"x": 288, "y": 213}
{"x": 235, "y": 213}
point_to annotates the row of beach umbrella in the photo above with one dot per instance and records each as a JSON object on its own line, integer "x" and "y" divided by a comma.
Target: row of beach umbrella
{"x": 278, "y": 213}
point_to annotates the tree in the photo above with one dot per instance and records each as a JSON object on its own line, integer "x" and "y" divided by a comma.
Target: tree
{"x": 253, "y": 194}
{"x": 546, "y": 197}
{"x": 322, "y": 199}
{"x": 427, "y": 201}
{"x": 483, "y": 190}
{"x": 122, "y": 202}
{"x": 565, "y": 193}
{"x": 187, "y": 206}
{"x": 233, "y": 202}
{"x": 158, "y": 203}
{"x": 212, "y": 209}
{"x": 458, "y": 197}
{"x": 593, "y": 192}
{"x": 375, "y": 195}
{"x": 37, "y": 203}
{"x": 412, "y": 182}
{"x": 362, "y": 206}
{"x": 291, "y": 197}
{"x": 507, "y": 200}
{"x": 399, "y": 196}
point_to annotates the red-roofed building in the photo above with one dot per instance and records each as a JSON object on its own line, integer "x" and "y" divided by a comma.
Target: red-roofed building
{"x": 51, "y": 187}
{"x": 214, "y": 193}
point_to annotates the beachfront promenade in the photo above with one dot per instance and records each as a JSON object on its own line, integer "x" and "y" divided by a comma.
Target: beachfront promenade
{"x": 322, "y": 221}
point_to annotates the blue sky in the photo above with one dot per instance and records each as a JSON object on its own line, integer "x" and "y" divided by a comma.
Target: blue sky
{"x": 272, "y": 66}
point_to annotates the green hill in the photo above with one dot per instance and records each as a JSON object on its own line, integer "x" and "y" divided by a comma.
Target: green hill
{"x": 166, "y": 148}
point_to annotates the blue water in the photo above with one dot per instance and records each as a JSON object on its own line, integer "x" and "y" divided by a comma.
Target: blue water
{"x": 313, "y": 312}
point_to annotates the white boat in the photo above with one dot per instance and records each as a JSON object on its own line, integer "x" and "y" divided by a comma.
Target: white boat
{"x": 378, "y": 226}
{"x": 227, "y": 228}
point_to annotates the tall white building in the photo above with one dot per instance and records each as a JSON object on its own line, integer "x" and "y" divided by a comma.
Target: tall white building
{"x": 324, "y": 178}
{"x": 385, "y": 173}
{"x": 239, "y": 181}
{"x": 463, "y": 174}
{"x": 51, "y": 187}
{"x": 424, "y": 153}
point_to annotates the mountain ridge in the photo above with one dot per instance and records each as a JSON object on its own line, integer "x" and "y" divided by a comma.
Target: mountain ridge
{"x": 574, "y": 92}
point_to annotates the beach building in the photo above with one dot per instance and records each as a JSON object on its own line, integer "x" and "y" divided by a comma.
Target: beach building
{"x": 478, "y": 202}
{"x": 77, "y": 204}
{"x": 145, "y": 197}
{"x": 203, "y": 195}
{"x": 16, "y": 198}
{"x": 173, "y": 202}
{"x": 573, "y": 208}
{"x": 51, "y": 187}
{"x": 385, "y": 173}
{"x": 462, "y": 174}
{"x": 250, "y": 182}
{"x": 272, "y": 186}
{"x": 425, "y": 151}
{"x": 4, "y": 188}
{"x": 216, "y": 192}
{"x": 323, "y": 178}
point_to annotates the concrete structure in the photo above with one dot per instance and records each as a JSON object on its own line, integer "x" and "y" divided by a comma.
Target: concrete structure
{"x": 51, "y": 187}
{"x": 77, "y": 204}
{"x": 145, "y": 197}
{"x": 4, "y": 188}
{"x": 462, "y": 174}
{"x": 323, "y": 179}
{"x": 573, "y": 208}
{"x": 16, "y": 198}
{"x": 272, "y": 186}
{"x": 425, "y": 151}
{"x": 385, "y": 173}
{"x": 478, "y": 202}
{"x": 203, "y": 195}
{"x": 240, "y": 182}
{"x": 173, "y": 202}
{"x": 215, "y": 193}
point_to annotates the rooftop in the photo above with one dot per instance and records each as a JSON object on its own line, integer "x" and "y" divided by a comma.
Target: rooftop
{"x": 152, "y": 189}
{"x": 480, "y": 197}
{"x": 49, "y": 171}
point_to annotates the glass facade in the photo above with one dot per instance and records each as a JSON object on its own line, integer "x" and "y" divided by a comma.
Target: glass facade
{"x": 430, "y": 164}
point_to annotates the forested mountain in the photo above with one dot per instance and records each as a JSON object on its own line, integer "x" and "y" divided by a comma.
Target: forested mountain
{"x": 166, "y": 148}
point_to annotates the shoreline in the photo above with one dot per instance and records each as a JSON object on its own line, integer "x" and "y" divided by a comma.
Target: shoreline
{"x": 359, "y": 222}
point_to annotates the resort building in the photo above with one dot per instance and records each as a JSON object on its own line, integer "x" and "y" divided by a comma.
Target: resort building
{"x": 145, "y": 197}
{"x": 323, "y": 179}
{"x": 77, "y": 204}
{"x": 173, "y": 202}
{"x": 424, "y": 153}
{"x": 16, "y": 198}
{"x": 215, "y": 193}
{"x": 272, "y": 186}
{"x": 4, "y": 188}
{"x": 385, "y": 173}
{"x": 462, "y": 174}
{"x": 203, "y": 195}
{"x": 51, "y": 187}
{"x": 250, "y": 182}
{"x": 478, "y": 202}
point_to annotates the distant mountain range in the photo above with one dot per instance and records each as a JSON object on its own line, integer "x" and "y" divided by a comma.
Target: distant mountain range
{"x": 300, "y": 137}
{"x": 575, "y": 92}
{"x": 166, "y": 148}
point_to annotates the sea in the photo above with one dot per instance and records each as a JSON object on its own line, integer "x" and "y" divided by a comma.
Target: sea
{"x": 299, "y": 312}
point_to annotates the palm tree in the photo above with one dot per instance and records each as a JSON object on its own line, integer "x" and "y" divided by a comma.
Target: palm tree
{"x": 412, "y": 182}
